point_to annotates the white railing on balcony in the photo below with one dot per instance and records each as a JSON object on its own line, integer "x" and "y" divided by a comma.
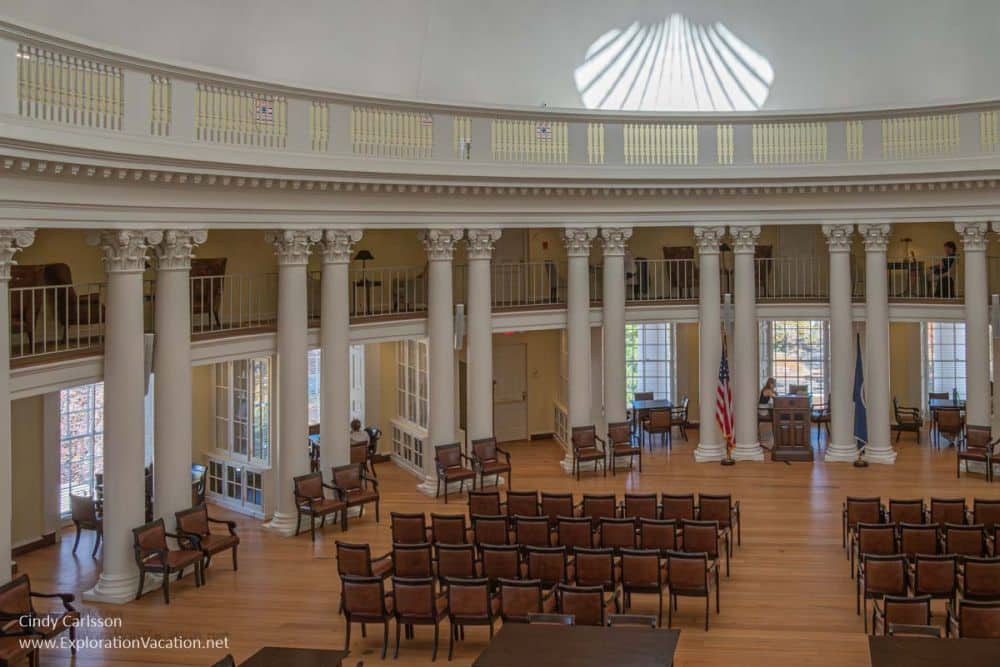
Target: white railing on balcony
{"x": 595, "y": 143}
{"x": 784, "y": 143}
{"x": 462, "y": 137}
{"x": 724, "y": 144}
{"x": 240, "y": 117}
{"x": 989, "y": 131}
{"x": 160, "y": 105}
{"x": 662, "y": 280}
{"x": 388, "y": 291}
{"x": 925, "y": 278}
{"x": 319, "y": 126}
{"x": 56, "y": 318}
{"x": 909, "y": 137}
{"x": 528, "y": 284}
{"x": 379, "y": 132}
{"x": 792, "y": 278}
{"x": 855, "y": 131}
{"x": 230, "y": 302}
{"x": 66, "y": 89}
{"x": 661, "y": 143}
{"x": 515, "y": 140}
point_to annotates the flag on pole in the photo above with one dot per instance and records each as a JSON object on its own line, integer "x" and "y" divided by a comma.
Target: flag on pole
{"x": 724, "y": 399}
{"x": 860, "y": 409}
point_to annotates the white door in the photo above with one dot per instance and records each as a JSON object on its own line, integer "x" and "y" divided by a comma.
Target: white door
{"x": 510, "y": 392}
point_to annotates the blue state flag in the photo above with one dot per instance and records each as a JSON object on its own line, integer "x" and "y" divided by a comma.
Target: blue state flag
{"x": 860, "y": 411}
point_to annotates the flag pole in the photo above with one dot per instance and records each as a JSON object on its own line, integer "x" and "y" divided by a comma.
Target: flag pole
{"x": 727, "y": 322}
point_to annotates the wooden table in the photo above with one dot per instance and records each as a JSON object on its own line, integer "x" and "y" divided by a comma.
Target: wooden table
{"x": 945, "y": 404}
{"x": 520, "y": 645}
{"x": 641, "y": 406}
{"x": 930, "y": 652}
{"x": 278, "y": 656}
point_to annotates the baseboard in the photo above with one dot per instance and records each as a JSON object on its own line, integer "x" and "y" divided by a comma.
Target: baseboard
{"x": 540, "y": 436}
{"x": 44, "y": 541}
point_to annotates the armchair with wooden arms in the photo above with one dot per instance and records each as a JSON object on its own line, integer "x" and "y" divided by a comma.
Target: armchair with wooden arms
{"x": 907, "y": 420}
{"x": 311, "y": 501}
{"x": 486, "y": 460}
{"x": 621, "y": 445}
{"x": 355, "y": 488}
{"x": 73, "y": 308}
{"x": 977, "y": 445}
{"x": 152, "y": 555}
{"x": 16, "y": 603}
{"x": 679, "y": 417}
{"x": 86, "y": 516}
{"x": 585, "y": 448}
{"x": 196, "y": 522}
{"x": 448, "y": 459}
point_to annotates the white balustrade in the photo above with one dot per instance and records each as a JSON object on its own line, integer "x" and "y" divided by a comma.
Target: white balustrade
{"x": 662, "y": 280}
{"x": 379, "y": 132}
{"x": 56, "y": 318}
{"x": 909, "y": 137}
{"x": 159, "y": 105}
{"x": 240, "y": 117}
{"x": 319, "y": 126}
{"x": 776, "y": 143}
{"x": 528, "y": 284}
{"x": 724, "y": 143}
{"x": 232, "y": 302}
{"x": 516, "y": 140}
{"x": 925, "y": 278}
{"x": 661, "y": 144}
{"x": 61, "y": 88}
{"x": 792, "y": 278}
{"x": 855, "y": 131}
{"x": 462, "y": 137}
{"x": 388, "y": 291}
{"x": 595, "y": 143}
{"x": 989, "y": 131}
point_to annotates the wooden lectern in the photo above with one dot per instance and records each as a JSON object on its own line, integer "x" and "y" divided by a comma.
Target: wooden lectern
{"x": 792, "y": 427}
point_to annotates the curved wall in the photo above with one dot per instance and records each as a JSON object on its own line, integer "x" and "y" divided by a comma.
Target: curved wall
{"x": 821, "y": 53}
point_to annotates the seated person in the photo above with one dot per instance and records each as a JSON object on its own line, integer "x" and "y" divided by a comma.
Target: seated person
{"x": 358, "y": 436}
{"x": 942, "y": 280}
{"x": 768, "y": 392}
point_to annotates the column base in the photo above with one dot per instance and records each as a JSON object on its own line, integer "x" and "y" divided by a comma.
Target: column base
{"x": 567, "y": 464}
{"x": 884, "y": 455}
{"x": 120, "y": 588}
{"x": 283, "y": 524}
{"x": 841, "y": 452}
{"x": 708, "y": 452}
{"x": 749, "y": 452}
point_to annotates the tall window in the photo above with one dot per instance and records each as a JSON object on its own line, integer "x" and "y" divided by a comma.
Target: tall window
{"x": 945, "y": 357}
{"x": 314, "y": 386}
{"x": 650, "y": 359}
{"x": 796, "y": 352}
{"x": 411, "y": 381}
{"x": 357, "y": 380}
{"x": 81, "y": 441}
{"x": 243, "y": 408}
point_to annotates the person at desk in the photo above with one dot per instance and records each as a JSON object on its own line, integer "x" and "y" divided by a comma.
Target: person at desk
{"x": 768, "y": 392}
{"x": 357, "y": 435}
{"x": 942, "y": 280}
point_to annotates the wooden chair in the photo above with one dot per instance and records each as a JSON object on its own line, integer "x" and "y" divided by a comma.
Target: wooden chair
{"x": 858, "y": 510}
{"x": 456, "y": 561}
{"x": 936, "y": 396}
{"x": 532, "y": 531}
{"x": 919, "y": 538}
{"x": 935, "y": 576}
{"x": 469, "y": 603}
{"x": 522, "y": 503}
{"x": 417, "y": 602}
{"x": 20, "y": 620}
{"x": 641, "y": 506}
{"x": 947, "y": 510}
{"x": 727, "y": 513}
{"x": 880, "y": 576}
{"x": 500, "y": 562}
{"x": 950, "y": 425}
{"x": 980, "y": 578}
{"x": 365, "y": 601}
{"x": 490, "y": 529}
{"x": 964, "y": 540}
{"x": 311, "y": 501}
{"x": 691, "y": 575}
{"x": 413, "y": 560}
{"x": 644, "y": 572}
{"x": 152, "y": 555}
{"x": 900, "y": 610}
{"x": 550, "y": 565}
{"x": 821, "y": 418}
{"x": 617, "y": 534}
{"x": 361, "y": 454}
{"x": 620, "y": 445}
{"x": 599, "y": 506}
{"x": 575, "y": 532}
{"x": 356, "y": 560}
{"x": 486, "y": 461}
{"x": 486, "y": 503}
{"x": 196, "y": 522}
{"x": 908, "y": 420}
{"x": 595, "y": 567}
{"x": 555, "y": 505}
{"x": 679, "y": 417}
{"x": 659, "y": 534}
{"x": 589, "y": 605}
{"x": 678, "y": 506}
{"x": 449, "y": 529}
{"x": 522, "y": 598}
{"x": 987, "y": 512}
{"x": 585, "y": 448}
{"x": 409, "y": 528}
{"x": 974, "y": 619}
{"x": 660, "y": 423}
{"x": 873, "y": 538}
{"x": 85, "y": 516}
{"x": 355, "y": 488}
{"x": 448, "y": 460}
{"x": 907, "y": 510}
{"x": 703, "y": 537}
{"x": 977, "y": 445}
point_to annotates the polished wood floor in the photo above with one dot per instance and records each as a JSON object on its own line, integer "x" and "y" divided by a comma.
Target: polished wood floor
{"x": 789, "y": 600}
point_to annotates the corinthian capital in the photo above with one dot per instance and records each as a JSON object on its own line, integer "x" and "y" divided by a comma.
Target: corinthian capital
{"x": 175, "y": 251}
{"x": 11, "y": 241}
{"x": 577, "y": 240}
{"x": 124, "y": 249}
{"x": 974, "y": 235}
{"x": 615, "y": 239}
{"x": 439, "y": 244}
{"x": 744, "y": 238}
{"x": 875, "y": 236}
{"x": 292, "y": 246}
{"x": 480, "y": 242}
{"x": 337, "y": 245}
{"x": 708, "y": 239}
{"x": 839, "y": 237}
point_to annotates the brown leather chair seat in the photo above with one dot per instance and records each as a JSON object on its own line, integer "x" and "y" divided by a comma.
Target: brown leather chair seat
{"x": 456, "y": 473}
{"x": 176, "y": 559}
{"x": 213, "y": 542}
{"x": 324, "y": 505}
{"x": 359, "y": 496}
{"x": 382, "y": 567}
{"x": 493, "y": 467}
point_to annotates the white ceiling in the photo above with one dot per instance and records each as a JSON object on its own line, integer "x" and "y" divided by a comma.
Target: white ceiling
{"x": 806, "y": 54}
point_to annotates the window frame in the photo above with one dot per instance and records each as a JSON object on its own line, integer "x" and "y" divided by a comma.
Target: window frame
{"x": 94, "y": 459}
{"x": 244, "y": 393}
{"x": 646, "y": 355}
{"x": 769, "y": 363}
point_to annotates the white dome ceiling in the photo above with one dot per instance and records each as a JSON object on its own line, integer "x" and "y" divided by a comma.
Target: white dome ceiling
{"x": 678, "y": 55}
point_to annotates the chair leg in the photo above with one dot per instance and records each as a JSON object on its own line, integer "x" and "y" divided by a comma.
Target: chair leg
{"x": 312, "y": 526}
{"x": 347, "y": 638}
{"x": 659, "y": 616}
{"x": 166, "y": 586}
{"x": 396, "y": 653}
{"x": 434, "y": 652}
{"x": 142, "y": 582}
{"x": 670, "y": 611}
{"x": 377, "y": 519}
{"x": 98, "y": 538}
{"x": 76, "y": 542}
{"x": 385, "y": 637}
{"x": 706, "y": 613}
{"x": 235, "y": 566}
{"x": 451, "y": 640}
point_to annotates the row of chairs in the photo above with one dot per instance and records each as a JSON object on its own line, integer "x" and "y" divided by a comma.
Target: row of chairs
{"x": 453, "y": 465}
{"x": 351, "y": 487}
{"x": 912, "y": 616}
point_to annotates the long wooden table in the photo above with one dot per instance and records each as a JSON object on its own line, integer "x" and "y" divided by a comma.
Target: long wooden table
{"x": 519, "y": 645}
{"x": 930, "y": 652}
{"x": 640, "y": 406}
{"x": 279, "y": 656}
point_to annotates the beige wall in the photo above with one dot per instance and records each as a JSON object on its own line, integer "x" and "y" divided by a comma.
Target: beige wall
{"x": 905, "y": 368}
{"x": 542, "y": 353}
{"x": 202, "y": 411}
{"x": 67, "y": 246}
{"x": 27, "y": 439}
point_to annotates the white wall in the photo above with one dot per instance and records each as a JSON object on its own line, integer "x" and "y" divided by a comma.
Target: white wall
{"x": 824, "y": 53}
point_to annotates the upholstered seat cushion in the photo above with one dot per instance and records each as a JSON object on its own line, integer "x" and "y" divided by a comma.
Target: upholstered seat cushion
{"x": 175, "y": 559}
{"x": 58, "y": 621}
{"x": 215, "y": 542}
{"x": 458, "y": 473}
{"x": 361, "y": 496}
{"x": 589, "y": 454}
{"x": 324, "y": 505}
{"x": 490, "y": 467}
{"x": 382, "y": 567}
{"x": 625, "y": 449}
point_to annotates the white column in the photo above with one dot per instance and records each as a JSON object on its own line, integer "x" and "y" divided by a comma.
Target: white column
{"x": 478, "y": 308}
{"x": 842, "y": 349}
{"x": 172, "y": 369}
{"x": 710, "y": 445}
{"x": 124, "y": 413}
{"x": 439, "y": 244}
{"x": 292, "y": 248}
{"x": 578, "y": 342}
{"x": 11, "y": 240}
{"x": 977, "y": 329}
{"x": 995, "y": 342}
{"x": 614, "y": 241}
{"x": 337, "y": 247}
{"x": 879, "y": 449}
{"x": 744, "y": 345}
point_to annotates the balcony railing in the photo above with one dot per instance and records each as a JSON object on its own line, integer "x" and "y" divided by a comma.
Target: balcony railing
{"x": 925, "y": 279}
{"x": 663, "y": 280}
{"x": 517, "y": 284}
{"x": 231, "y": 302}
{"x": 792, "y": 279}
{"x": 56, "y": 318}
{"x": 388, "y": 291}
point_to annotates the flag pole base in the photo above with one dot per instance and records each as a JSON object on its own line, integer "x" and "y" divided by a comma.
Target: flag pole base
{"x": 728, "y": 461}
{"x": 860, "y": 463}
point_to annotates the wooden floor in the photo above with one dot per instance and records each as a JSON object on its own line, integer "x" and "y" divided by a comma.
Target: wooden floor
{"x": 789, "y": 600}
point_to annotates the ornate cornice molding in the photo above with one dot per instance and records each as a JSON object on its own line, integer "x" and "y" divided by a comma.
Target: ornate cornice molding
{"x": 124, "y": 249}
{"x": 875, "y": 236}
{"x": 577, "y": 240}
{"x": 480, "y": 242}
{"x": 744, "y": 238}
{"x": 839, "y": 238}
{"x": 11, "y": 241}
{"x": 708, "y": 239}
{"x": 292, "y": 246}
{"x": 974, "y": 235}
{"x": 175, "y": 251}
{"x": 337, "y": 246}
{"x": 615, "y": 239}
{"x": 439, "y": 244}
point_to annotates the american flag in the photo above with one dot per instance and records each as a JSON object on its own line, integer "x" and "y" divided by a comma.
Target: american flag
{"x": 724, "y": 399}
